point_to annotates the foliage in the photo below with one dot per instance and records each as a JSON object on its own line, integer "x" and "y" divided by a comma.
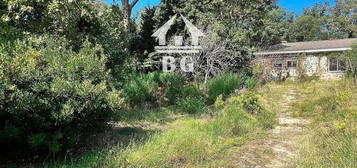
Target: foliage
{"x": 147, "y": 24}
{"x": 343, "y": 18}
{"x": 224, "y": 84}
{"x": 307, "y": 28}
{"x": 51, "y": 96}
{"x": 191, "y": 105}
{"x": 192, "y": 142}
{"x": 248, "y": 101}
{"x": 250, "y": 82}
{"x": 173, "y": 85}
{"x": 197, "y": 142}
{"x": 351, "y": 61}
{"x": 311, "y": 25}
{"x": 141, "y": 89}
{"x": 219, "y": 103}
{"x": 77, "y": 21}
{"x": 277, "y": 25}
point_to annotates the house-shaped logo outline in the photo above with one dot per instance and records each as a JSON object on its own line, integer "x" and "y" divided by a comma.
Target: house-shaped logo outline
{"x": 161, "y": 34}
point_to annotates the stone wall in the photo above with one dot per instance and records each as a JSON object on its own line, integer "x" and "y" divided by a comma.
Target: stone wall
{"x": 310, "y": 65}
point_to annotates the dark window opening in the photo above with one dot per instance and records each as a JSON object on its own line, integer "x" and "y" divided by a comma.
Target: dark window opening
{"x": 278, "y": 65}
{"x": 291, "y": 64}
{"x": 336, "y": 65}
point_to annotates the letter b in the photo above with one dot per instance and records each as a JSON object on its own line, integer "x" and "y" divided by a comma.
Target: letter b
{"x": 168, "y": 61}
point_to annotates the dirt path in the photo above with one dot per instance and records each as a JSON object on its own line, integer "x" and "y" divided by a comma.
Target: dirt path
{"x": 279, "y": 148}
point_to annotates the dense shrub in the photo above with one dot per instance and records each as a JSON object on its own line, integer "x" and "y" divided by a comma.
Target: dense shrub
{"x": 224, "y": 84}
{"x": 192, "y": 91}
{"x": 173, "y": 85}
{"x": 192, "y": 100}
{"x": 50, "y": 96}
{"x": 351, "y": 61}
{"x": 250, "y": 82}
{"x": 143, "y": 89}
{"x": 252, "y": 103}
{"x": 191, "y": 105}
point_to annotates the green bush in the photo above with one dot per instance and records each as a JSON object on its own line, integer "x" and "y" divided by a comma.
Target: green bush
{"x": 252, "y": 103}
{"x": 250, "y": 82}
{"x": 224, "y": 84}
{"x": 191, "y": 105}
{"x": 141, "y": 89}
{"x": 50, "y": 96}
{"x": 173, "y": 86}
{"x": 192, "y": 91}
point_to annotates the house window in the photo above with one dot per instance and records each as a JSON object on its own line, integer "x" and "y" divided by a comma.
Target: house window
{"x": 336, "y": 65}
{"x": 278, "y": 65}
{"x": 291, "y": 64}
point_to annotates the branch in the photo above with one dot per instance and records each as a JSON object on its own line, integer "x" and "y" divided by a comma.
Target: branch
{"x": 133, "y": 4}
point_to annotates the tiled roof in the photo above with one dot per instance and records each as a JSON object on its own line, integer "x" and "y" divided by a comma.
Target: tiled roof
{"x": 310, "y": 46}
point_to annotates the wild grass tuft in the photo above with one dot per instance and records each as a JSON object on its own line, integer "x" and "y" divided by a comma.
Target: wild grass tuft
{"x": 332, "y": 106}
{"x": 224, "y": 84}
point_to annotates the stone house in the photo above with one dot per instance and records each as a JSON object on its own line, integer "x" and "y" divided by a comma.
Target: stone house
{"x": 313, "y": 58}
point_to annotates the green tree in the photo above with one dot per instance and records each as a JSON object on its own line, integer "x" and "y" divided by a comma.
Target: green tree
{"x": 312, "y": 24}
{"x": 343, "y": 18}
{"x": 277, "y": 25}
{"x": 77, "y": 21}
{"x": 147, "y": 27}
{"x": 51, "y": 96}
{"x": 307, "y": 28}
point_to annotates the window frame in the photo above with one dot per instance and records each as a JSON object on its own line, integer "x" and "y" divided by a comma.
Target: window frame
{"x": 338, "y": 65}
{"x": 294, "y": 63}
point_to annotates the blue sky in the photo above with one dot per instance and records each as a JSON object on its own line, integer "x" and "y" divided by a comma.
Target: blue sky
{"x": 295, "y": 6}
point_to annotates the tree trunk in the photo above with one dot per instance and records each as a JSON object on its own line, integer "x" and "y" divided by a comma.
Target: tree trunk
{"x": 127, "y": 18}
{"x": 127, "y": 9}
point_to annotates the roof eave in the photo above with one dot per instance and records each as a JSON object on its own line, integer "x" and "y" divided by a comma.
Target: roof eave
{"x": 301, "y": 51}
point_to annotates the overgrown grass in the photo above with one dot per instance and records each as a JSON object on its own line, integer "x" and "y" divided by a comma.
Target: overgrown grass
{"x": 332, "y": 106}
{"x": 190, "y": 141}
{"x": 194, "y": 142}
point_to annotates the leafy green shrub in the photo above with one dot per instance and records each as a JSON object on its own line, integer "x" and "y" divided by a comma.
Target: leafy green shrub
{"x": 191, "y": 105}
{"x": 224, "y": 84}
{"x": 192, "y": 91}
{"x": 192, "y": 100}
{"x": 251, "y": 103}
{"x": 141, "y": 88}
{"x": 51, "y": 96}
{"x": 351, "y": 61}
{"x": 235, "y": 120}
{"x": 250, "y": 82}
{"x": 219, "y": 103}
{"x": 173, "y": 84}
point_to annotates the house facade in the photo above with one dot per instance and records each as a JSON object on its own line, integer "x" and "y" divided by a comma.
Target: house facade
{"x": 313, "y": 58}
